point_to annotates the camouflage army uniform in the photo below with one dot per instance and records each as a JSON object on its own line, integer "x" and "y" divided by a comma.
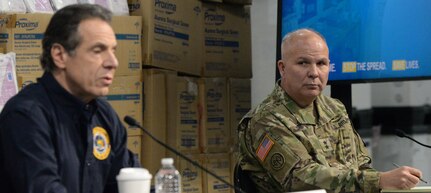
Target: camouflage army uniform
{"x": 285, "y": 148}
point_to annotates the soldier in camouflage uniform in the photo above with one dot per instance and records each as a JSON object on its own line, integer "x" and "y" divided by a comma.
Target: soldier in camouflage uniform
{"x": 298, "y": 139}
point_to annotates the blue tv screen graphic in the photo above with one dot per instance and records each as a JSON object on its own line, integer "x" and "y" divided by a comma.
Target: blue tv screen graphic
{"x": 369, "y": 40}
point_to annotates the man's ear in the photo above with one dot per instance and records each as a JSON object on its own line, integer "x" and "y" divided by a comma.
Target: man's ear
{"x": 59, "y": 55}
{"x": 281, "y": 66}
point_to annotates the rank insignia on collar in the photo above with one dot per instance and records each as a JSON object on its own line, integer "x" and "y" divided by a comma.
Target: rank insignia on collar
{"x": 326, "y": 144}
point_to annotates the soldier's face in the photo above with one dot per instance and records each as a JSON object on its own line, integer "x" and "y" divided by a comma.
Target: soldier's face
{"x": 304, "y": 68}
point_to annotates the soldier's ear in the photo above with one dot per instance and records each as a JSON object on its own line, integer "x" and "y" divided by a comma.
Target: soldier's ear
{"x": 281, "y": 67}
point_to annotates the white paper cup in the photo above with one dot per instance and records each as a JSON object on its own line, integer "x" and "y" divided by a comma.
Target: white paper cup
{"x": 134, "y": 180}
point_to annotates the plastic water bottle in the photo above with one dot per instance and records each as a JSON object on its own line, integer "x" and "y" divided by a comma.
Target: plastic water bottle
{"x": 168, "y": 179}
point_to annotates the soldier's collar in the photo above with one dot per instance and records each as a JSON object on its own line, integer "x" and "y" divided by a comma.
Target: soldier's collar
{"x": 325, "y": 107}
{"x": 304, "y": 116}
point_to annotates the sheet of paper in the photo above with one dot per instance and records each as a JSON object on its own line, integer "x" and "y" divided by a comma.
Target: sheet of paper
{"x": 311, "y": 191}
{"x": 415, "y": 189}
{"x": 8, "y": 82}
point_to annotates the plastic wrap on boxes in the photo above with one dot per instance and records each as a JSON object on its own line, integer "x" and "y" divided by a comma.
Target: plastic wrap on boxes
{"x": 58, "y": 4}
{"x": 38, "y": 6}
{"x": 104, "y": 3}
{"x": 118, "y": 7}
{"x": 12, "y": 6}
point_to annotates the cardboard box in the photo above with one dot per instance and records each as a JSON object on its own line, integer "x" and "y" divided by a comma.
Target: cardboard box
{"x": 215, "y": 1}
{"x": 183, "y": 115}
{"x": 155, "y": 117}
{"x": 22, "y": 34}
{"x": 129, "y": 49}
{"x": 239, "y": 97}
{"x": 240, "y": 2}
{"x": 134, "y": 144}
{"x": 227, "y": 41}
{"x": 191, "y": 176}
{"x": 170, "y": 36}
{"x": 4, "y": 33}
{"x": 220, "y": 165}
{"x": 214, "y": 124}
{"x": 125, "y": 96}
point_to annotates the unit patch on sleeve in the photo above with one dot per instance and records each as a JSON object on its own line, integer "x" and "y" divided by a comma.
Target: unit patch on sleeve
{"x": 277, "y": 161}
{"x": 101, "y": 144}
{"x": 264, "y": 147}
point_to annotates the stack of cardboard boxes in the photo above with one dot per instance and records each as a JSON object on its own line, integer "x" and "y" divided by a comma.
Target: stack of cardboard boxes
{"x": 196, "y": 71}
{"x": 185, "y": 69}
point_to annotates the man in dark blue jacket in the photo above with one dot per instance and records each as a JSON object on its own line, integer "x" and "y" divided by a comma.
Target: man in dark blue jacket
{"x": 57, "y": 135}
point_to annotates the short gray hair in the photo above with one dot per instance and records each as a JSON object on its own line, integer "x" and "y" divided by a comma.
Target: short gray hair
{"x": 291, "y": 34}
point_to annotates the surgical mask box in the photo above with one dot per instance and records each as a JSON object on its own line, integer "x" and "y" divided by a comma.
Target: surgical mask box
{"x": 171, "y": 36}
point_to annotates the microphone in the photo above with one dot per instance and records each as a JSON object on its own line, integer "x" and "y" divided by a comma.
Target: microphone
{"x": 401, "y": 134}
{"x": 132, "y": 122}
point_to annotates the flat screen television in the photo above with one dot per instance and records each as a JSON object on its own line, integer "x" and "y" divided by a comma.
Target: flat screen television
{"x": 369, "y": 40}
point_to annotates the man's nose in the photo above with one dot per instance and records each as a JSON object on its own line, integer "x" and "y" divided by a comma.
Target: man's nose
{"x": 313, "y": 71}
{"x": 111, "y": 60}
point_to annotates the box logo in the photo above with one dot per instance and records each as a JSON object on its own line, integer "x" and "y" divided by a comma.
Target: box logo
{"x": 134, "y": 6}
{"x": 186, "y": 97}
{"x": 213, "y": 18}
{"x": 26, "y": 24}
{"x": 197, "y": 10}
{"x": 189, "y": 175}
{"x": 3, "y": 21}
{"x": 169, "y": 7}
{"x": 213, "y": 95}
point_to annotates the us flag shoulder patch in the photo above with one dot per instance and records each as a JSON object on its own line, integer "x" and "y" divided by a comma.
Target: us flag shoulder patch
{"x": 264, "y": 148}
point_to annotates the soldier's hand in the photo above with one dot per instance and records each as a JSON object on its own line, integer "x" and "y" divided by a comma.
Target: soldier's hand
{"x": 400, "y": 178}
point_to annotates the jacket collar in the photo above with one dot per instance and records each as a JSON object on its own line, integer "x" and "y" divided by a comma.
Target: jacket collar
{"x": 63, "y": 99}
{"x": 323, "y": 112}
